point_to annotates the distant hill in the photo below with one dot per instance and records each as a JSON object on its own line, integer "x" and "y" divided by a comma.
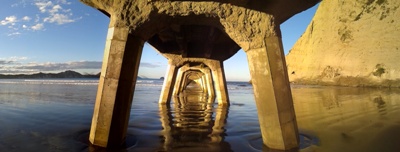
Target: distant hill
{"x": 40, "y": 75}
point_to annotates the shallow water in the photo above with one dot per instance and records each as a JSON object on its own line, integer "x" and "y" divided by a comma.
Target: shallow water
{"x": 55, "y": 115}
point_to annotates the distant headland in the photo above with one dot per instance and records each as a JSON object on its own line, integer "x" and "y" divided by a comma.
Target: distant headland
{"x": 61, "y": 75}
{"x": 40, "y": 75}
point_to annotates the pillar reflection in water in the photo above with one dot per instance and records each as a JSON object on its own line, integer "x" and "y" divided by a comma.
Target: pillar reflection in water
{"x": 189, "y": 122}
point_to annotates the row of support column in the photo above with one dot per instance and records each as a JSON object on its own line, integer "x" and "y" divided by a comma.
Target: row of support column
{"x": 118, "y": 78}
{"x": 213, "y": 81}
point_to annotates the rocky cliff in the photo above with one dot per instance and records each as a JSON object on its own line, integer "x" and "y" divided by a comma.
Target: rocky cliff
{"x": 349, "y": 43}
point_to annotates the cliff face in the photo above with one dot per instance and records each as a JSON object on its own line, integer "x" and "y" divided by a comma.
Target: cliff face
{"x": 349, "y": 43}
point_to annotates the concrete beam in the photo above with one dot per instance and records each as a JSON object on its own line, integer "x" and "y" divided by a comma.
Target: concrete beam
{"x": 116, "y": 85}
{"x": 273, "y": 95}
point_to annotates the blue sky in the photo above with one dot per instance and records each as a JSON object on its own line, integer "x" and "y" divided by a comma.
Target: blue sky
{"x": 58, "y": 35}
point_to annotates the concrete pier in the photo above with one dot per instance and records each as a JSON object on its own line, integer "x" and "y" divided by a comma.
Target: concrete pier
{"x": 116, "y": 85}
{"x": 191, "y": 34}
{"x": 274, "y": 103}
{"x": 168, "y": 85}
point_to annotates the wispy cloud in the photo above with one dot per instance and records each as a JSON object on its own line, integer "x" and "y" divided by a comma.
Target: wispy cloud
{"x": 3, "y": 62}
{"x": 20, "y": 3}
{"x": 24, "y": 65}
{"x": 37, "y": 27}
{"x": 15, "y": 66}
{"x": 43, "y": 5}
{"x": 149, "y": 65}
{"x": 60, "y": 66}
{"x": 12, "y": 60}
{"x": 59, "y": 19}
{"x": 15, "y": 33}
{"x": 26, "y": 18}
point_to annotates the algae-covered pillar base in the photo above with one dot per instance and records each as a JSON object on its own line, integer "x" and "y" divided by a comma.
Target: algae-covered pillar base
{"x": 272, "y": 94}
{"x": 116, "y": 85}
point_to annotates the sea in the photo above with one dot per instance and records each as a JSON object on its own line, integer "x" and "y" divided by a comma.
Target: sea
{"x": 54, "y": 115}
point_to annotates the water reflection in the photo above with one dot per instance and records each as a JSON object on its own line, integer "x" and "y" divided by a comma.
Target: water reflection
{"x": 189, "y": 124}
{"x": 380, "y": 104}
{"x": 349, "y": 119}
{"x": 330, "y": 119}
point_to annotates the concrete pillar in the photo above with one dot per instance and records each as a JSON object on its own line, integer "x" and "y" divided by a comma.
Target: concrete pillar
{"x": 178, "y": 82}
{"x": 168, "y": 85}
{"x": 116, "y": 85}
{"x": 184, "y": 81}
{"x": 218, "y": 75}
{"x": 273, "y": 95}
{"x": 204, "y": 84}
{"x": 209, "y": 83}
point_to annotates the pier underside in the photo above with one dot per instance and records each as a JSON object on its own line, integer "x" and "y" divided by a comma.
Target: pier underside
{"x": 196, "y": 37}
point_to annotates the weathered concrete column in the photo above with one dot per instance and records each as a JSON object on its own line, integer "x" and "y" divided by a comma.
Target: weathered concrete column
{"x": 178, "y": 82}
{"x": 183, "y": 82}
{"x": 218, "y": 75}
{"x": 168, "y": 85}
{"x": 204, "y": 84}
{"x": 116, "y": 85}
{"x": 273, "y": 95}
{"x": 210, "y": 84}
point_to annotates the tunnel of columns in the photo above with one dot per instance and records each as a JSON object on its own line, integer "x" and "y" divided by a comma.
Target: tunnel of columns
{"x": 196, "y": 37}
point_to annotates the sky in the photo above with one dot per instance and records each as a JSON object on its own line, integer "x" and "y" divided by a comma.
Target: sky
{"x": 56, "y": 35}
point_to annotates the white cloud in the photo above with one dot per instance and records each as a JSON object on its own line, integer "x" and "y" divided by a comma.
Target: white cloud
{"x": 149, "y": 65}
{"x": 12, "y": 60}
{"x": 17, "y": 65}
{"x": 9, "y": 20}
{"x": 43, "y": 5}
{"x": 56, "y": 13}
{"x": 55, "y": 9}
{"x": 37, "y": 27}
{"x": 49, "y": 66}
{"x": 58, "y": 18}
{"x": 63, "y": 2}
{"x": 47, "y": 12}
{"x": 26, "y": 18}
